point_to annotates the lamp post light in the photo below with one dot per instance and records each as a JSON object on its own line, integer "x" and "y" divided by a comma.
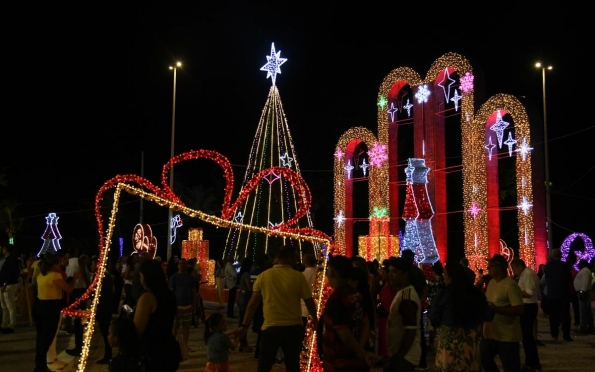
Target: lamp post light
{"x": 171, "y": 169}
{"x": 548, "y": 205}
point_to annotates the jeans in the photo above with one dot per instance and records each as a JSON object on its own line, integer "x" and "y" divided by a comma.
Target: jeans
{"x": 509, "y": 352}
{"x": 47, "y": 316}
{"x": 9, "y": 308}
{"x": 243, "y": 300}
{"x": 289, "y": 339}
{"x": 586, "y": 311}
{"x": 529, "y": 345}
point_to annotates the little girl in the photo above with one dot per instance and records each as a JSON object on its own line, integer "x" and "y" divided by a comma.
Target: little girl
{"x": 123, "y": 335}
{"x": 219, "y": 343}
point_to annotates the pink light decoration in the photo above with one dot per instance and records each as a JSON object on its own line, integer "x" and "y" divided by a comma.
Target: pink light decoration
{"x": 339, "y": 153}
{"x": 507, "y": 253}
{"x": 467, "y": 82}
{"x": 474, "y": 210}
{"x": 272, "y": 177}
{"x": 377, "y": 155}
{"x": 587, "y": 254}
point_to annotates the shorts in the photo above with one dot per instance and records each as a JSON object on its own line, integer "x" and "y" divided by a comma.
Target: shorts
{"x": 183, "y": 317}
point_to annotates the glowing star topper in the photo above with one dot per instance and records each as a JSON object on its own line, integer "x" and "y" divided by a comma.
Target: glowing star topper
{"x": 422, "y": 94}
{"x": 474, "y": 210}
{"x": 286, "y": 160}
{"x": 524, "y": 149}
{"x": 408, "y": 107}
{"x": 339, "y": 219}
{"x": 446, "y": 83}
{"x": 525, "y": 205}
{"x": 490, "y": 147}
{"x": 273, "y": 65}
{"x": 377, "y": 155}
{"x": 499, "y": 127}
{"x": 467, "y": 82}
{"x": 339, "y": 154}
{"x": 175, "y": 223}
{"x": 456, "y": 98}
{"x": 364, "y": 166}
{"x": 382, "y": 102}
{"x": 348, "y": 168}
{"x": 392, "y": 111}
{"x": 510, "y": 142}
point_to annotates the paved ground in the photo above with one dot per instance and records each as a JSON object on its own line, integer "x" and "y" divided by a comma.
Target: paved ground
{"x": 17, "y": 351}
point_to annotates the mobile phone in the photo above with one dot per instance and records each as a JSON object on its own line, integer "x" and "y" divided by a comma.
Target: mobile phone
{"x": 127, "y": 309}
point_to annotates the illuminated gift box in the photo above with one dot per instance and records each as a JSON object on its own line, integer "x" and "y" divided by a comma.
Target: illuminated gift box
{"x": 196, "y": 247}
{"x": 379, "y": 244}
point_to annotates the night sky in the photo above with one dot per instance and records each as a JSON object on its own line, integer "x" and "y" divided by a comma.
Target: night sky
{"x": 89, "y": 94}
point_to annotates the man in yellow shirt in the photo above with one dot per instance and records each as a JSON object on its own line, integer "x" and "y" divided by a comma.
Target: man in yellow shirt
{"x": 280, "y": 289}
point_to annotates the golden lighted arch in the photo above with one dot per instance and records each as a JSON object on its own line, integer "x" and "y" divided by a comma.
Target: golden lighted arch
{"x": 377, "y": 180}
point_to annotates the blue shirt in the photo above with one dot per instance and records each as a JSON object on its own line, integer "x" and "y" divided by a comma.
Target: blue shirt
{"x": 183, "y": 285}
{"x": 218, "y": 345}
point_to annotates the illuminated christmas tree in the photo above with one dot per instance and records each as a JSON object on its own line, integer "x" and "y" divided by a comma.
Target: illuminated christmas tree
{"x": 51, "y": 236}
{"x": 274, "y": 201}
{"x": 418, "y": 213}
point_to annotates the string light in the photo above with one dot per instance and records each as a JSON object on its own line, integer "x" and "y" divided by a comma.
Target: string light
{"x": 587, "y": 254}
{"x": 51, "y": 236}
{"x": 143, "y": 240}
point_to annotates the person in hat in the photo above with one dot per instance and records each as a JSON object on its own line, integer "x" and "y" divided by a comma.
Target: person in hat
{"x": 502, "y": 335}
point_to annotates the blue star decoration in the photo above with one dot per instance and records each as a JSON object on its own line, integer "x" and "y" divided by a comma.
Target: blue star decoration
{"x": 273, "y": 65}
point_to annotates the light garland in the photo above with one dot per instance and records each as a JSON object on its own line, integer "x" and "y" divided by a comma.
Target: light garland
{"x": 587, "y": 254}
{"x": 164, "y": 197}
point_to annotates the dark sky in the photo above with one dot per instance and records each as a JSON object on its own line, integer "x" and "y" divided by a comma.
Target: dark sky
{"x": 89, "y": 90}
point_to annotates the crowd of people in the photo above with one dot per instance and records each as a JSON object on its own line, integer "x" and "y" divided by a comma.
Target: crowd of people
{"x": 385, "y": 314}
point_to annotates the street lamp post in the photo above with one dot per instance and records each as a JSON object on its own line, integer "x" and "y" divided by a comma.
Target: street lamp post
{"x": 548, "y": 205}
{"x": 171, "y": 169}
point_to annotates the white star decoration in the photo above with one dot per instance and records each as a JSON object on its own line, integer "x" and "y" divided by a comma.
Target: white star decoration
{"x": 408, "y": 107}
{"x": 422, "y": 94}
{"x": 524, "y": 149}
{"x": 510, "y": 142}
{"x": 499, "y": 127}
{"x": 238, "y": 218}
{"x": 364, "y": 166}
{"x": 525, "y": 205}
{"x": 456, "y": 98}
{"x": 349, "y": 168}
{"x": 339, "y": 153}
{"x": 286, "y": 160}
{"x": 446, "y": 90}
{"x": 392, "y": 110}
{"x": 274, "y": 225}
{"x": 474, "y": 210}
{"x": 339, "y": 219}
{"x": 490, "y": 147}
{"x": 273, "y": 65}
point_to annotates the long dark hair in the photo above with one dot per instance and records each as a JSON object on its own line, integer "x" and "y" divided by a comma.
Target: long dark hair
{"x": 360, "y": 275}
{"x": 246, "y": 266}
{"x": 128, "y": 340}
{"x": 47, "y": 262}
{"x": 467, "y": 299}
{"x": 156, "y": 283}
{"x": 212, "y": 321}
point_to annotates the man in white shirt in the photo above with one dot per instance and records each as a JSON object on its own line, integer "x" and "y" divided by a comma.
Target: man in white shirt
{"x": 528, "y": 282}
{"x": 309, "y": 262}
{"x": 583, "y": 283}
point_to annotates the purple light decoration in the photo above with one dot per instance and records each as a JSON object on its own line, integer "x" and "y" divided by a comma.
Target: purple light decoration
{"x": 339, "y": 153}
{"x": 467, "y": 82}
{"x": 377, "y": 155}
{"x": 474, "y": 210}
{"x": 121, "y": 241}
{"x": 587, "y": 254}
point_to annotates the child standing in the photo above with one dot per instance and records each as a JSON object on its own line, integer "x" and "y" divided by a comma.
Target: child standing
{"x": 123, "y": 335}
{"x": 218, "y": 343}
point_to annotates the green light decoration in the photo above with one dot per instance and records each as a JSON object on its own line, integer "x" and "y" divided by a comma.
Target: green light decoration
{"x": 11, "y": 241}
{"x": 379, "y": 212}
{"x": 382, "y": 102}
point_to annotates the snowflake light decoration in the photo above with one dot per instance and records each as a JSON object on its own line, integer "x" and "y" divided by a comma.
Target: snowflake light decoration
{"x": 364, "y": 166}
{"x": 524, "y": 149}
{"x": 340, "y": 219}
{"x": 422, "y": 94}
{"x": 510, "y": 142}
{"x": 474, "y": 210}
{"x": 377, "y": 155}
{"x": 348, "y": 168}
{"x": 525, "y": 205}
{"x": 273, "y": 65}
{"x": 467, "y": 82}
{"x": 339, "y": 154}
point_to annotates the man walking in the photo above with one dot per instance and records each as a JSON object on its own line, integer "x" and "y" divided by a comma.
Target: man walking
{"x": 9, "y": 279}
{"x": 280, "y": 290}
{"x": 582, "y": 285}
{"x": 558, "y": 280}
{"x": 529, "y": 284}
{"x": 185, "y": 287}
{"x": 502, "y": 335}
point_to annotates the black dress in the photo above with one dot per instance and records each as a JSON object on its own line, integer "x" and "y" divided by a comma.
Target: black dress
{"x": 161, "y": 351}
